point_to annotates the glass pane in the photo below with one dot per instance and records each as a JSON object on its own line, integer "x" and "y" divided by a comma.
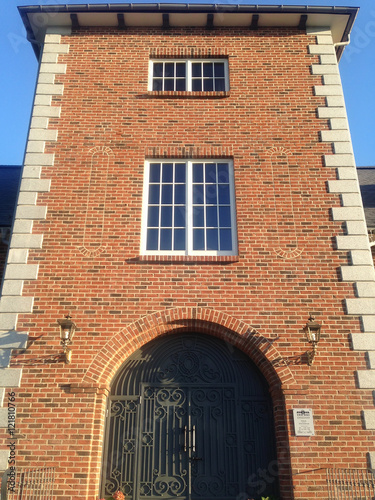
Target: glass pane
{"x": 198, "y": 239}
{"x": 198, "y": 217}
{"x": 208, "y": 85}
{"x": 198, "y": 172}
{"x": 180, "y": 172}
{"x": 153, "y": 217}
{"x": 166, "y": 194}
{"x": 207, "y": 69}
{"x": 219, "y": 84}
{"x": 224, "y": 194}
{"x": 211, "y": 216}
{"x": 196, "y": 69}
{"x": 165, "y": 239}
{"x": 167, "y": 172}
{"x": 158, "y": 69}
{"x": 196, "y": 85}
{"x": 169, "y": 70}
{"x": 179, "y": 216}
{"x": 179, "y": 239}
{"x": 179, "y": 194}
{"x": 153, "y": 194}
{"x": 198, "y": 194}
{"x": 152, "y": 239}
{"x": 166, "y": 217}
{"x": 219, "y": 69}
{"x": 181, "y": 69}
{"x": 212, "y": 239}
{"x": 225, "y": 239}
{"x": 180, "y": 85}
{"x": 157, "y": 85}
{"x": 224, "y": 217}
{"x": 169, "y": 84}
{"x": 154, "y": 172}
{"x": 210, "y": 171}
{"x": 211, "y": 195}
{"x": 223, "y": 172}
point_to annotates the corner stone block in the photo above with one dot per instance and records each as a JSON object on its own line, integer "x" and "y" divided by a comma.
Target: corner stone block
{"x": 331, "y": 112}
{"x": 22, "y": 272}
{"x": 50, "y": 88}
{"x": 41, "y": 134}
{"x": 356, "y": 227}
{"x": 35, "y": 185}
{"x": 27, "y": 198}
{"x": 357, "y": 273}
{"x": 52, "y": 68}
{"x": 359, "y": 307}
{"x": 368, "y": 323}
{"x": 322, "y": 49}
{"x": 16, "y": 304}
{"x": 10, "y": 377}
{"x": 8, "y": 321}
{"x": 352, "y": 242}
{"x": 366, "y": 289}
{"x": 371, "y": 359}
{"x": 344, "y": 186}
{"x": 343, "y": 148}
{"x": 339, "y": 160}
{"x": 49, "y": 111}
{"x": 26, "y": 241}
{"x": 31, "y": 212}
{"x": 2, "y": 392}
{"x": 335, "y": 136}
{"x": 4, "y": 456}
{"x": 366, "y": 379}
{"x": 369, "y": 419}
{"x": 51, "y": 48}
{"x": 326, "y": 69}
{"x": 371, "y": 459}
{"x": 361, "y": 257}
{"x": 351, "y": 200}
{"x": 12, "y": 287}
{"x": 326, "y": 90}
{"x": 41, "y": 159}
{"x": 22, "y": 226}
{"x": 11, "y": 339}
{"x": 363, "y": 341}
{"x": 335, "y": 101}
{"x": 347, "y": 213}
{"x": 3, "y": 418}
{"x": 346, "y": 173}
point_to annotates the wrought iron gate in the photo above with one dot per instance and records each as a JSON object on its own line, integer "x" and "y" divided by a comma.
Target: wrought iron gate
{"x": 189, "y": 418}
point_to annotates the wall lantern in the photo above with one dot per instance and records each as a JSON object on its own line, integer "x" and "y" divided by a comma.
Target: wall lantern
{"x": 67, "y": 329}
{"x": 312, "y": 332}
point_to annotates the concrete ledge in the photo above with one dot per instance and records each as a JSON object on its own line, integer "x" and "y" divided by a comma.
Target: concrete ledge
{"x": 35, "y": 147}
{"x": 4, "y": 456}
{"x": 22, "y": 226}
{"x": 328, "y": 59}
{"x": 335, "y": 101}
{"x": 335, "y": 135}
{"x": 344, "y": 186}
{"x": 371, "y": 460}
{"x": 326, "y": 69}
{"x": 13, "y": 339}
{"x": 3, "y": 418}
{"x": 368, "y": 323}
{"x": 52, "y": 68}
{"x": 39, "y": 159}
{"x": 371, "y": 359}
{"x": 322, "y": 49}
{"x": 358, "y": 307}
{"x": 331, "y": 80}
{"x": 346, "y": 173}
{"x": 347, "y": 213}
{"x": 27, "y": 198}
{"x": 22, "y": 272}
{"x": 356, "y": 227}
{"x": 53, "y": 89}
{"x": 361, "y": 257}
{"x": 12, "y": 287}
{"x": 342, "y": 148}
{"x": 366, "y": 379}
{"x": 52, "y": 48}
{"x": 26, "y": 241}
{"x": 38, "y": 122}
{"x": 339, "y": 160}
{"x": 40, "y": 134}
{"x": 17, "y": 305}
{"x": 352, "y": 242}
{"x": 42, "y": 100}
{"x": 31, "y": 212}
{"x": 365, "y": 289}
{"x": 10, "y": 377}
{"x": 339, "y": 124}
{"x": 325, "y": 90}
{"x": 369, "y": 419}
{"x": 50, "y": 111}
{"x": 363, "y": 341}
{"x": 351, "y": 199}
{"x": 331, "y": 112}
{"x": 16, "y": 256}
{"x": 357, "y": 273}
{"x": 37, "y": 185}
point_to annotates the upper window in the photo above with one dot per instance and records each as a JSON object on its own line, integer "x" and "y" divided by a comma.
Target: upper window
{"x": 192, "y": 75}
{"x": 189, "y": 208}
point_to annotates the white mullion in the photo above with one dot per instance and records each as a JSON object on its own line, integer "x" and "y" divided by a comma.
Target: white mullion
{"x": 204, "y": 205}
{"x": 188, "y": 75}
{"x": 173, "y": 200}
{"x": 160, "y": 205}
{"x": 232, "y": 200}
{"x": 217, "y": 206}
{"x": 189, "y": 211}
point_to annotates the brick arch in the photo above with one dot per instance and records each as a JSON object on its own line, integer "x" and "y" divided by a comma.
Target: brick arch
{"x": 218, "y": 324}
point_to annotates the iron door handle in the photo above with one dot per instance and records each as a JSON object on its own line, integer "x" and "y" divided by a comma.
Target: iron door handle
{"x": 185, "y": 437}
{"x": 193, "y": 439}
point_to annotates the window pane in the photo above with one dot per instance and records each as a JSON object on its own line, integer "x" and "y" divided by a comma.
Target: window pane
{"x": 225, "y": 239}
{"x": 210, "y": 171}
{"x": 224, "y": 194}
{"x": 154, "y": 172}
{"x": 180, "y": 172}
{"x": 179, "y": 194}
{"x": 196, "y": 85}
{"x": 157, "y": 85}
{"x": 169, "y": 70}
{"x": 198, "y": 217}
{"x": 198, "y": 194}
{"x": 179, "y": 216}
{"x": 180, "y": 69}
{"x": 179, "y": 239}
{"x": 198, "y": 239}
{"x": 212, "y": 239}
{"x": 208, "y": 85}
{"x": 166, "y": 217}
{"x": 165, "y": 239}
{"x": 198, "y": 172}
{"x": 167, "y": 172}
{"x": 223, "y": 172}
{"x": 211, "y": 196}
{"x": 153, "y": 217}
{"x": 152, "y": 239}
{"x": 153, "y": 194}
{"x": 166, "y": 194}
{"x": 219, "y": 84}
{"x": 207, "y": 69}
{"x": 211, "y": 216}
{"x": 169, "y": 84}
{"x": 180, "y": 85}
{"x": 219, "y": 69}
{"x": 224, "y": 217}
{"x": 158, "y": 69}
{"x": 196, "y": 69}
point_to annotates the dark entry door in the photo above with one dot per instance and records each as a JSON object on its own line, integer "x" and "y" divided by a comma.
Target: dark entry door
{"x": 190, "y": 418}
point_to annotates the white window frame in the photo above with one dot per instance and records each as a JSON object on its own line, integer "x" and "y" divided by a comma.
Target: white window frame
{"x": 188, "y": 73}
{"x": 189, "y": 210}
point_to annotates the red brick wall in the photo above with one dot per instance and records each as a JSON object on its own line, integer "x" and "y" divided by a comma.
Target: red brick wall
{"x": 119, "y": 301}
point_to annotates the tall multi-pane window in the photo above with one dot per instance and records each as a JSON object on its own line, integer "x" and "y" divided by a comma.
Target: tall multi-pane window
{"x": 192, "y": 75}
{"x": 189, "y": 208}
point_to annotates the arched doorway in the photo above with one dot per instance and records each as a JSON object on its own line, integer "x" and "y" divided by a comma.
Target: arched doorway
{"x": 190, "y": 417}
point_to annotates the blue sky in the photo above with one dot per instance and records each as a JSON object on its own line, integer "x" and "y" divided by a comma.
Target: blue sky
{"x": 19, "y": 69}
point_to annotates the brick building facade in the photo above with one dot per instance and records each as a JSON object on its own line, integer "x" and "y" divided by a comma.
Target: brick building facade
{"x": 189, "y": 172}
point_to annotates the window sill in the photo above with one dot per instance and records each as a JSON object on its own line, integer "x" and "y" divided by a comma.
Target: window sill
{"x": 169, "y": 94}
{"x": 203, "y": 259}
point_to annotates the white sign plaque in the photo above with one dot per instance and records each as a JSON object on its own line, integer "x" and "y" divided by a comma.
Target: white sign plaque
{"x": 303, "y": 422}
